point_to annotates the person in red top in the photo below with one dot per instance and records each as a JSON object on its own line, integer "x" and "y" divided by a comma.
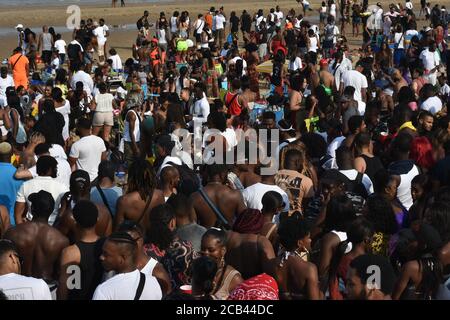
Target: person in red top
{"x": 155, "y": 57}
{"x": 234, "y": 101}
{"x": 278, "y": 43}
{"x": 20, "y": 67}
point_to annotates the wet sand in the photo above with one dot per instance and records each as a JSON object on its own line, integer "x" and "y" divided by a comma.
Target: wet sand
{"x": 123, "y": 38}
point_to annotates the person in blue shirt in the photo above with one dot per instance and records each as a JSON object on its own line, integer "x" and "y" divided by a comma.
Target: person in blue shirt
{"x": 111, "y": 192}
{"x": 8, "y": 184}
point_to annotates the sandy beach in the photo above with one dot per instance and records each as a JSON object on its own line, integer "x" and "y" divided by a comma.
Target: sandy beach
{"x": 123, "y": 20}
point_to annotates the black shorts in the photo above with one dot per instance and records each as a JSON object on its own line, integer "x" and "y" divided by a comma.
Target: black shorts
{"x": 198, "y": 37}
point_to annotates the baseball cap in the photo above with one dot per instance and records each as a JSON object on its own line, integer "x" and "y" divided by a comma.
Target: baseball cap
{"x": 323, "y": 62}
{"x": 19, "y": 26}
{"x": 428, "y": 29}
{"x": 42, "y": 201}
{"x": 81, "y": 177}
{"x": 5, "y": 148}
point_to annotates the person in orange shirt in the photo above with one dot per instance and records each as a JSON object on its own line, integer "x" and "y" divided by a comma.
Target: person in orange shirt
{"x": 19, "y": 65}
{"x": 209, "y": 18}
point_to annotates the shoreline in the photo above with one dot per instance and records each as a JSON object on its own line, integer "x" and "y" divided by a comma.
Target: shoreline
{"x": 35, "y": 16}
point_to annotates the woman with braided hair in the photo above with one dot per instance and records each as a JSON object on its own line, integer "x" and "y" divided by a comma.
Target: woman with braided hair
{"x": 226, "y": 278}
{"x": 141, "y": 197}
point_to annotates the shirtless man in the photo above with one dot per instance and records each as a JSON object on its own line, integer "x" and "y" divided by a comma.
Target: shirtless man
{"x": 326, "y": 78}
{"x": 145, "y": 263}
{"x": 4, "y": 220}
{"x": 142, "y": 195}
{"x": 85, "y": 254}
{"x": 398, "y": 82}
{"x": 37, "y": 242}
{"x": 80, "y": 188}
{"x": 170, "y": 178}
{"x": 251, "y": 254}
{"x": 144, "y": 54}
{"x": 228, "y": 201}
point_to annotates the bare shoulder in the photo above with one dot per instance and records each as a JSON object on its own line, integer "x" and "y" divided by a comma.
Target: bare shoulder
{"x": 55, "y": 235}
{"x": 158, "y": 194}
{"x": 124, "y": 200}
{"x": 330, "y": 240}
{"x": 411, "y": 266}
{"x": 102, "y": 210}
{"x": 70, "y": 254}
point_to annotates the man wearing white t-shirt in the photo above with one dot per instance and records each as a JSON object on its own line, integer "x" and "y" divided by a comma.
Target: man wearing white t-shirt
{"x": 46, "y": 168}
{"x": 102, "y": 33}
{"x": 87, "y": 153}
{"x": 85, "y": 78}
{"x": 6, "y": 81}
{"x": 119, "y": 255}
{"x": 279, "y": 15}
{"x": 344, "y": 161}
{"x": 14, "y": 285}
{"x": 431, "y": 103}
{"x": 253, "y": 194}
{"x": 63, "y": 168}
{"x": 147, "y": 265}
{"x": 357, "y": 80}
{"x": 431, "y": 62}
{"x": 198, "y": 29}
{"x": 201, "y": 108}
{"x": 60, "y": 46}
{"x": 220, "y": 28}
{"x": 116, "y": 61}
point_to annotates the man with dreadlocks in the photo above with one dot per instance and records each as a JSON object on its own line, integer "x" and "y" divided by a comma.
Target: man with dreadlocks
{"x": 80, "y": 187}
{"x": 142, "y": 195}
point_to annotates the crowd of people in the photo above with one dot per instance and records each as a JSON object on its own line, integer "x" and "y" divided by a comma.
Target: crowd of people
{"x": 99, "y": 198}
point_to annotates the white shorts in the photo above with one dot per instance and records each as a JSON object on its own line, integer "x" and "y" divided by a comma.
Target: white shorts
{"x": 103, "y": 118}
{"x": 101, "y": 49}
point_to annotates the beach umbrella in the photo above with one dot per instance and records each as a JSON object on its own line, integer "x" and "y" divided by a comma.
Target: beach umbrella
{"x": 267, "y": 66}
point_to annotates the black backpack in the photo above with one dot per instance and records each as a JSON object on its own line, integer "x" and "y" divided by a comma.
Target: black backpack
{"x": 189, "y": 180}
{"x": 356, "y": 186}
{"x": 72, "y": 51}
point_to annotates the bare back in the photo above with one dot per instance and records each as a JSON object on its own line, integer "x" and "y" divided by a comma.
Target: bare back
{"x": 131, "y": 207}
{"x": 228, "y": 201}
{"x": 327, "y": 79}
{"x": 250, "y": 254}
{"x": 67, "y": 223}
{"x": 291, "y": 278}
{"x": 40, "y": 245}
